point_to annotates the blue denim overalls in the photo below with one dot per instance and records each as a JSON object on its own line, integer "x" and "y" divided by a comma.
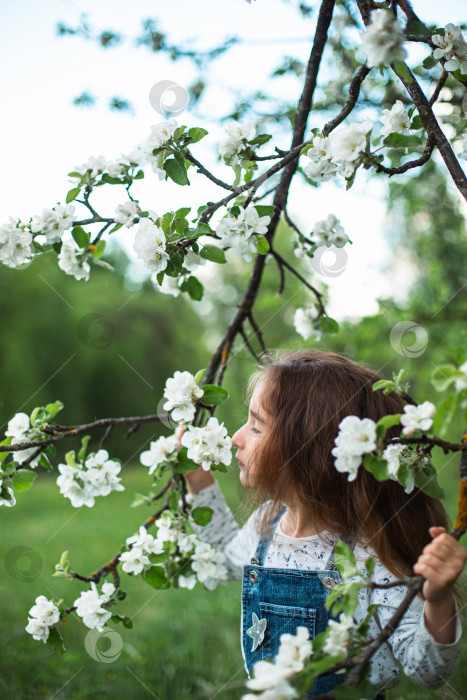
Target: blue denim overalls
{"x": 272, "y": 594}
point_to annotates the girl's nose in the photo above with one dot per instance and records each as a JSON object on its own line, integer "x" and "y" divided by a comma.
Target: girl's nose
{"x": 236, "y": 438}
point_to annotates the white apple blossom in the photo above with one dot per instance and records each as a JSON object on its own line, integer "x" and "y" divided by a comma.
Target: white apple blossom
{"x": 166, "y": 531}
{"x": 159, "y": 451}
{"x": 235, "y": 141}
{"x": 18, "y": 425}
{"x": 392, "y": 455}
{"x": 329, "y": 232}
{"x": 134, "y": 561}
{"x": 170, "y": 285}
{"x": 182, "y": 392}
{"x": 93, "y": 166}
{"x": 293, "y": 651}
{"x": 237, "y": 231}
{"x": 53, "y": 222}
{"x": 127, "y": 213}
{"x": 357, "y": 436}
{"x": 188, "y": 582}
{"x": 320, "y": 166}
{"x": 383, "y": 40}
{"x": 348, "y": 143}
{"x": 209, "y": 445}
{"x": 21, "y": 455}
{"x": 395, "y": 120}
{"x": 16, "y": 244}
{"x": 98, "y": 477}
{"x": 451, "y": 47}
{"x": 339, "y": 636}
{"x": 193, "y": 261}
{"x": 42, "y": 616}
{"x": 68, "y": 261}
{"x": 150, "y": 245}
{"x": 209, "y": 565}
{"x": 89, "y": 606}
{"x": 303, "y": 323}
{"x": 418, "y": 417}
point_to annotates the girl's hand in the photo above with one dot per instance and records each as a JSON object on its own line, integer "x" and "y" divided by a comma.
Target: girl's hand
{"x": 441, "y": 562}
{"x": 181, "y": 427}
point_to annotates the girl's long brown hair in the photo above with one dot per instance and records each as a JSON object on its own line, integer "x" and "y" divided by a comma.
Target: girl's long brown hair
{"x": 306, "y": 395}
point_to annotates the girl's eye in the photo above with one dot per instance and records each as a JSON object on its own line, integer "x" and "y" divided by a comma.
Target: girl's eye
{"x": 254, "y": 430}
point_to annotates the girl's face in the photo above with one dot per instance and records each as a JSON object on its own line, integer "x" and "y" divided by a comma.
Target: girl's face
{"x": 248, "y": 438}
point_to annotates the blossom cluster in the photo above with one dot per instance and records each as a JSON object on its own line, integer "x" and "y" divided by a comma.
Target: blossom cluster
{"x": 207, "y": 565}
{"x": 209, "y": 445}
{"x": 237, "y": 230}
{"x": 235, "y": 141}
{"x": 150, "y": 246}
{"x": 383, "y": 39}
{"x": 19, "y": 429}
{"x": 395, "y": 120}
{"x": 72, "y": 261}
{"x": 160, "y": 450}
{"x": 341, "y": 152}
{"x": 42, "y": 616}
{"x": 15, "y": 244}
{"x": 127, "y": 213}
{"x": 89, "y": 605}
{"x": 306, "y": 323}
{"x": 339, "y": 635}
{"x": 83, "y": 483}
{"x": 452, "y": 47}
{"x": 271, "y": 677}
{"x": 160, "y": 134}
{"x": 330, "y": 232}
{"x": 357, "y": 436}
{"x": 182, "y": 392}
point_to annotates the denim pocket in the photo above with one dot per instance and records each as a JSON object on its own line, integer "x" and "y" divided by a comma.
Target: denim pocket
{"x": 283, "y": 619}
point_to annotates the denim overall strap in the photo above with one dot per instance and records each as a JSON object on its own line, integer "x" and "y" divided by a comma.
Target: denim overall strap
{"x": 263, "y": 544}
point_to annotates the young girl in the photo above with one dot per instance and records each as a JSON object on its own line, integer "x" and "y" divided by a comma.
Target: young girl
{"x": 284, "y": 554}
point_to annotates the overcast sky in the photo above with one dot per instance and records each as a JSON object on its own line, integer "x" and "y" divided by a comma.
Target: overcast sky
{"x": 44, "y": 136}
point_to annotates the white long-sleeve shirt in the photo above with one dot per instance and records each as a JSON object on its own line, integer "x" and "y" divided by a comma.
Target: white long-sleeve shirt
{"x": 424, "y": 660}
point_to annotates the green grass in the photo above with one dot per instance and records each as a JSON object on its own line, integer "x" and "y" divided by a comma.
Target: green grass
{"x": 184, "y": 644}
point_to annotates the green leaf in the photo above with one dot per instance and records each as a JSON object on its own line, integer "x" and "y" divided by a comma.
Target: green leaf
{"x": 55, "y": 640}
{"x": 111, "y": 180}
{"x": 194, "y": 288}
{"x": 213, "y": 395}
{"x": 183, "y": 212}
{"x": 196, "y": 134}
{"x": 377, "y": 466}
{"x": 345, "y": 560}
{"x": 426, "y": 480}
{"x": 9, "y": 468}
{"x": 445, "y": 413}
{"x": 417, "y": 28}
{"x": 183, "y": 464}
{"x": 429, "y": 62}
{"x": 260, "y": 139}
{"x": 72, "y": 194}
{"x": 416, "y": 123}
{"x": 213, "y": 253}
{"x": 23, "y": 479}
{"x": 71, "y": 459}
{"x": 403, "y": 71}
{"x": 84, "y": 447}
{"x": 387, "y": 422}
{"x": 6, "y": 441}
{"x": 202, "y": 515}
{"x": 156, "y": 577}
{"x": 75, "y": 174}
{"x": 44, "y": 462}
{"x": 198, "y": 376}
{"x": 329, "y": 325}
{"x": 402, "y": 140}
{"x": 127, "y": 622}
{"x": 364, "y": 691}
{"x": 115, "y": 228}
{"x": 262, "y": 245}
{"x": 385, "y": 384}
{"x": 81, "y": 237}
{"x": 444, "y": 375}
{"x": 174, "y": 264}
{"x": 176, "y": 169}
{"x": 264, "y": 209}
{"x": 53, "y": 408}
{"x": 201, "y": 230}
{"x": 139, "y": 175}
{"x": 100, "y": 247}
{"x": 370, "y": 565}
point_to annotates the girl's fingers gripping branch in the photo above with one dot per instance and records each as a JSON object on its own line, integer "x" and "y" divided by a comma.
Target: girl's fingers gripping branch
{"x": 441, "y": 563}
